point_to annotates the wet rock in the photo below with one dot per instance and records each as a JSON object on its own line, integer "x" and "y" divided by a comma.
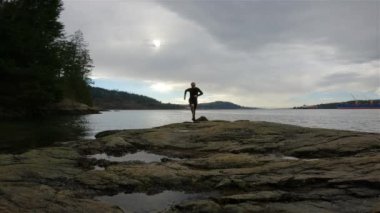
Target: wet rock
{"x": 257, "y": 196}
{"x": 254, "y": 166}
{"x": 206, "y": 206}
{"x": 242, "y": 207}
{"x": 111, "y": 144}
{"x": 231, "y": 183}
{"x": 200, "y": 119}
{"x": 106, "y": 133}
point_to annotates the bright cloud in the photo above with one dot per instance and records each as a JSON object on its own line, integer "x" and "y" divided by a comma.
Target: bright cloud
{"x": 161, "y": 87}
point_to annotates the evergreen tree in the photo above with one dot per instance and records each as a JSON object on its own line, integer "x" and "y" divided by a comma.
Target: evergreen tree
{"x": 29, "y": 60}
{"x": 38, "y": 66}
{"x": 76, "y": 67}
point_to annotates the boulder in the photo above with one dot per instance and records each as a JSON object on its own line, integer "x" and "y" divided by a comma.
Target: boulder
{"x": 202, "y": 118}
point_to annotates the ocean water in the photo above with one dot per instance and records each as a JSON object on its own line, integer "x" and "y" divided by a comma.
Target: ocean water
{"x": 355, "y": 120}
{"x": 19, "y": 136}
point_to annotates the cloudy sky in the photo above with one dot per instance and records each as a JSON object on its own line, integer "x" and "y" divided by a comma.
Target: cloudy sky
{"x": 254, "y": 53}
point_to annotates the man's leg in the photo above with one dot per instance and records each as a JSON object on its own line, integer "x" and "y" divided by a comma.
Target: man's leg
{"x": 195, "y": 108}
{"x": 192, "y": 111}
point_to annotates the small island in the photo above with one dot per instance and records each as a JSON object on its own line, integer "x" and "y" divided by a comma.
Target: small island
{"x": 233, "y": 166}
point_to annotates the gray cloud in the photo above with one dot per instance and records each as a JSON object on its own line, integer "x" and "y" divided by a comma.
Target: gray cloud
{"x": 357, "y": 80}
{"x": 352, "y": 26}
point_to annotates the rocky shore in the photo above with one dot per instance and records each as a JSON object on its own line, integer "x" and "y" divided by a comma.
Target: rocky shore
{"x": 71, "y": 107}
{"x": 251, "y": 167}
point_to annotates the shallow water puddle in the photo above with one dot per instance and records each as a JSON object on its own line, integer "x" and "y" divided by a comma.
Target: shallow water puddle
{"x": 141, "y": 202}
{"x": 99, "y": 168}
{"x": 183, "y": 130}
{"x": 295, "y": 158}
{"x": 137, "y": 156}
{"x": 291, "y": 158}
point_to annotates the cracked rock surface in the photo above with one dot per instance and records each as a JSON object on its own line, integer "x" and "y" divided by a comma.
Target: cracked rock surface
{"x": 253, "y": 167}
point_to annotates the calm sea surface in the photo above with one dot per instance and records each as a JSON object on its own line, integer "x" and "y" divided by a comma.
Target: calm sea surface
{"x": 357, "y": 120}
{"x": 17, "y": 136}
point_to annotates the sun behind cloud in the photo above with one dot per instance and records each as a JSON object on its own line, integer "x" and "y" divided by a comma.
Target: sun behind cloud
{"x": 161, "y": 87}
{"x": 156, "y": 43}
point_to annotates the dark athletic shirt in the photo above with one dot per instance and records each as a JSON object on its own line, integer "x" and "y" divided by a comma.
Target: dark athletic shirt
{"x": 193, "y": 92}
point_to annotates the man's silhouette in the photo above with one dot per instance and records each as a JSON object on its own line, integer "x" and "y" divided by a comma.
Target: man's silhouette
{"x": 195, "y": 92}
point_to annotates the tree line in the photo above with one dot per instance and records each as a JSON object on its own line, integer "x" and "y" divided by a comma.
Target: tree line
{"x": 39, "y": 64}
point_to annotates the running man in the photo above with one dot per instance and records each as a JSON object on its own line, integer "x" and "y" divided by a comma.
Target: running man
{"x": 195, "y": 92}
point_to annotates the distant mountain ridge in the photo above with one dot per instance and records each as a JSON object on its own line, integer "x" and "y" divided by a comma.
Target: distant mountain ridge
{"x": 221, "y": 105}
{"x": 114, "y": 99}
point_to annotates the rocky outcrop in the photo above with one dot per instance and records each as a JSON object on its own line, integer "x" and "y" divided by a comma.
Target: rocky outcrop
{"x": 68, "y": 106}
{"x": 252, "y": 166}
{"x": 200, "y": 119}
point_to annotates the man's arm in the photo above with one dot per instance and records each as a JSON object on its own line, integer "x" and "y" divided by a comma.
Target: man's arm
{"x": 200, "y": 92}
{"x": 184, "y": 95}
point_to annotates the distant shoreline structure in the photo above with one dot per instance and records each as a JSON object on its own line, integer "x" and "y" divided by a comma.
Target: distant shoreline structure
{"x": 355, "y": 104}
{"x": 358, "y": 106}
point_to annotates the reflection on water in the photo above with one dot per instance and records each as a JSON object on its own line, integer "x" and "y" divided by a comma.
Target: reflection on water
{"x": 137, "y": 156}
{"x": 18, "y": 136}
{"x": 141, "y": 202}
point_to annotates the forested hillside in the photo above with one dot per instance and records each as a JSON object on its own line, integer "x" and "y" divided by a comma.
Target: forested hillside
{"x": 39, "y": 64}
{"x": 113, "y": 99}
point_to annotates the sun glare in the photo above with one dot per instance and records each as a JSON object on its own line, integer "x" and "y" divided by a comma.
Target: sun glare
{"x": 156, "y": 43}
{"x": 161, "y": 87}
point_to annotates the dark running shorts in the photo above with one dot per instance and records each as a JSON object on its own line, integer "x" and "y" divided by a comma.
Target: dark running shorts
{"x": 193, "y": 101}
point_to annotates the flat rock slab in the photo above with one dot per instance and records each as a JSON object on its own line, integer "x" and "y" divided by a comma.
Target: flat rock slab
{"x": 252, "y": 166}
